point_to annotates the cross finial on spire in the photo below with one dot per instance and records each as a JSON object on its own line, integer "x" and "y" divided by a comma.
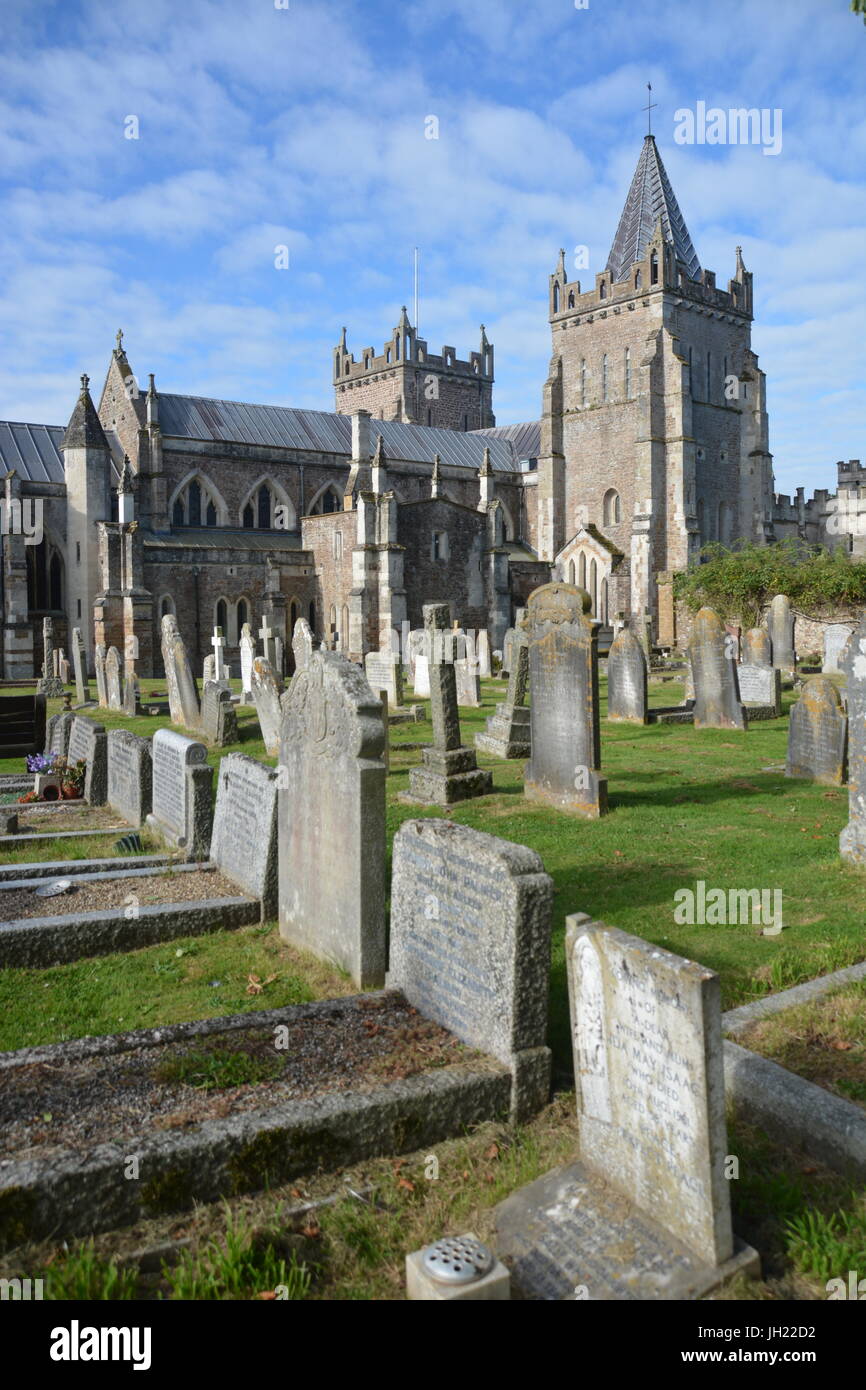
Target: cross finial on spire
{"x": 648, "y": 108}
{"x": 85, "y": 381}
{"x": 120, "y": 340}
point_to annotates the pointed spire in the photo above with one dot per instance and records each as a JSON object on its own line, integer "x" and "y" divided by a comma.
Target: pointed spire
{"x": 84, "y": 430}
{"x": 650, "y": 199}
{"x": 484, "y": 342}
{"x": 404, "y": 319}
{"x": 485, "y": 471}
{"x": 379, "y": 455}
{"x": 560, "y": 264}
{"x": 124, "y": 482}
{"x": 342, "y": 342}
{"x": 741, "y": 269}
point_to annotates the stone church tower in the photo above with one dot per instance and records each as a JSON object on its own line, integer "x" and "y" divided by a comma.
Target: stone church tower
{"x": 654, "y": 430}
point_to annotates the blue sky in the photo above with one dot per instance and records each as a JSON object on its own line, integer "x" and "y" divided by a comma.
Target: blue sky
{"x": 305, "y": 126}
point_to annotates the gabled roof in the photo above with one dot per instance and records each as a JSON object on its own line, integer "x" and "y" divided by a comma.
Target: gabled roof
{"x": 650, "y": 198}
{"x": 284, "y": 427}
{"x": 525, "y": 439}
{"x": 33, "y": 451}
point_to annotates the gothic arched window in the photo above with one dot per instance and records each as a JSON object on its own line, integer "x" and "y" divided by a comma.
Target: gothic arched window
{"x": 556, "y": 299}
{"x": 654, "y": 268}
{"x": 611, "y": 507}
{"x": 197, "y": 503}
{"x": 194, "y": 504}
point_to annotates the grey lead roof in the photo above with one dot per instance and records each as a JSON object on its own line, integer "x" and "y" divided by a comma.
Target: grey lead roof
{"x": 33, "y": 451}
{"x": 650, "y": 198}
{"x": 525, "y": 439}
{"x": 284, "y": 427}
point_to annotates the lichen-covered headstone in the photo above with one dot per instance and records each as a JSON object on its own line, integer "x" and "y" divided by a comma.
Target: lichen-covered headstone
{"x": 508, "y": 733}
{"x": 130, "y": 775}
{"x": 836, "y": 638}
{"x": 449, "y": 771}
{"x": 332, "y": 818}
{"x": 244, "y": 838}
{"x": 182, "y": 800}
{"x": 626, "y": 680}
{"x": 757, "y": 647}
{"x": 760, "y": 685}
{"x": 780, "y": 625}
{"x": 99, "y": 666}
{"x": 113, "y": 668}
{"x": 267, "y": 689}
{"x": 79, "y": 664}
{"x": 564, "y": 766}
{"x": 470, "y": 945}
{"x": 818, "y": 734}
{"x": 88, "y": 744}
{"x": 219, "y": 723}
{"x": 182, "y": 694}
{"x": 714, "y": 671}
{"x": 303, "y": 644}
{"x": 384, "y": 672}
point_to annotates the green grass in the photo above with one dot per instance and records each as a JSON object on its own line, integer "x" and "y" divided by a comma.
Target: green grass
{"x": 824, "y": 1040}
{"x": 219, "y": 1064}
{"x": 684, "y": 805}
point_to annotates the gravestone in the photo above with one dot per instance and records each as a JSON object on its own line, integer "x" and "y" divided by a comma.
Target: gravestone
{"x": 645, "y": 1212}
{"x": 88, "y": 743}
{"x": 717, "y": 695}
{"x": 130, "y": 775}
{"x": 468, "y": 681}
{"x": 208, "y": 670}
{"x": 482, "y": 651}
{"x": 818, "y": 734}
{"x": 470, "y": 945}
{"x": 422, "y": 676}
{"x": 113, "y": 666}
{"x": 780, "y": 625}
{"x": 182, "y": 800}
{"x": 131, "y": 692}
{"x": 221, "y": 671}
{"x": 79, "y": 662}
{"x": 219, "y": 723}
{"x": 62, "y": 667}
{"x": 760, "y": 685}
{"x": 49, "y": 683}
{"x": 268, "y": 639}
{"x": 564, "y": 765}
{"x": 757, "y": 647}
{"x": 507, "y": 652}
{"x": 99, "y": 667}
{"x": 303, "y": 644}
{"x": 852, "y": 841}
{"x": 279, "y": 656}
{"x": 244, "y": 838}
{"x": 626, "y": 680}
{"x": 836, "y": 637}
{"x": 266, "y": 696}
{"x": 248, "y": 654}
{"x": 415, "y": 647}
{"x": 508, "y": 731}
{"x": 332, "y": 818}
{"x": 182, "y": 694}
{"x": 449, "y": 771}
{"x": 57, "y": 731}
{"x": 384, "y": 672}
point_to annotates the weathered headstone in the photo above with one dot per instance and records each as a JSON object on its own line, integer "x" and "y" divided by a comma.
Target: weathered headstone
{"x": 717, "y": 695}
{"x": 62, "y": 667}
{"x": 182, "y": 694}
{"x": 113, "y": 666}
{"x": 421, "y": 686}
{"x": 303, "y": 643}
{"x": 266, "y": 695}
{"x": 415, "y": 647}
{"x": 280, "y": 656}
{"x": 760, "y": 685}
{"x": 244, "y": 838}
{"x": 182, "y": 802}
{"x": 564, "y": 765}
{"x": 507, "y": 734}
{"x": 131, "y": 700}
{"x": 79, "y": 662}
{"x": 384, "y": 672}
{"x": 780, "y": 625}
{"x": 332, "y": 818}
{"x": 645, "y": 1213}
{"x": 248, "y": 654}
{"x": 818, "y": 734}
{"x": 221, "y": 671}
{"x": 130, "y": 775}
{"x": 50, "y": 683}
{"x": 219, "y": 723}
{"x": 468, "y": 681}
{"x": 208, "y": 669}
{"x": 852, "y": 841}
{"x": 449, "y": 771}
{"x": 57, "y": 731}
{"x": 757, "y": 647}
{"x": 99, "y": 667}
{"x": 507, "y": 652}
{"x": 627, "y": 680}
{"x": 836, "y": 637}
{"x": 88, "y": 743}
{"x": 470, "y": 945}
{"x": 482, "y": 652}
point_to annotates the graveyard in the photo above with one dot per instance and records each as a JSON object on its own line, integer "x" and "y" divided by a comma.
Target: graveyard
{"x": 228, "y": 880}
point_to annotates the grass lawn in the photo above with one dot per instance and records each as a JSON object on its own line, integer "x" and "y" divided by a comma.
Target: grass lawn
{"x": 825, "y": 1041}
{"x": 684, "y": 805}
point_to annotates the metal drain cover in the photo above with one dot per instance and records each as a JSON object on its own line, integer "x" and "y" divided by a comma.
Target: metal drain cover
{"x": 457, "y": 1260}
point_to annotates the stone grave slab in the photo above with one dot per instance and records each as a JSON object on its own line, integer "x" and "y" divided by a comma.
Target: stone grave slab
{"x": 88, "y": 742}
{"x": 717, "y": 696}
{"x": 113, "y": 669}
{"x": 626, "y": 680}
{"x": 449, "y": 771}
{"x": 219, "y": 723}
{"x": 303, "y": 644}
{"x": 757, "y": 647}
{"x": 130, "y": 775}
{"x": 421, "y": 685}
{"x": 818, "y": 734}
{"x": 267, "y": 689}
{"x": 99, "y": 667}
{"x": 248, "y": 653}
{"x": 57, "y": 731}
{"x": 836, "y": 637}
{"x": 761, "y": 686}
{"x": 780, "y": 625}
{"x": 332, "y": 817}
{"x": 384, "y": 672}
{"x": 182, "y": 800}
{"x": 182, "y": 694}
{"x": 482, "y": 651}
{"x": 468, "y": 682}
{"x": 508, "y": 730}
{"x": 244, "y": 838}
{"x": 470, "y": 945}
{"x": 79, "y": 663}
{"x": 645, "y": 1213}
{"x": 564, "y": 765}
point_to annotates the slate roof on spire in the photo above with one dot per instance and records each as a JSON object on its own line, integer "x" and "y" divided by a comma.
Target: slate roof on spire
{"x": 650, "y": 197}
{"x": 84, "y": 430}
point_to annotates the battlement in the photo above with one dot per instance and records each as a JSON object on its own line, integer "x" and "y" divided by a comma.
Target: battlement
{"x": 407, "y": 351}
{"x": 850, "y": 474}
{"x": 660, "y": 271}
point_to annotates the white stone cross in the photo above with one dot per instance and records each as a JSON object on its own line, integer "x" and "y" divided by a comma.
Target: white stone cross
{"x": 269, "y": 641}
{"x": 218, "y": 642}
